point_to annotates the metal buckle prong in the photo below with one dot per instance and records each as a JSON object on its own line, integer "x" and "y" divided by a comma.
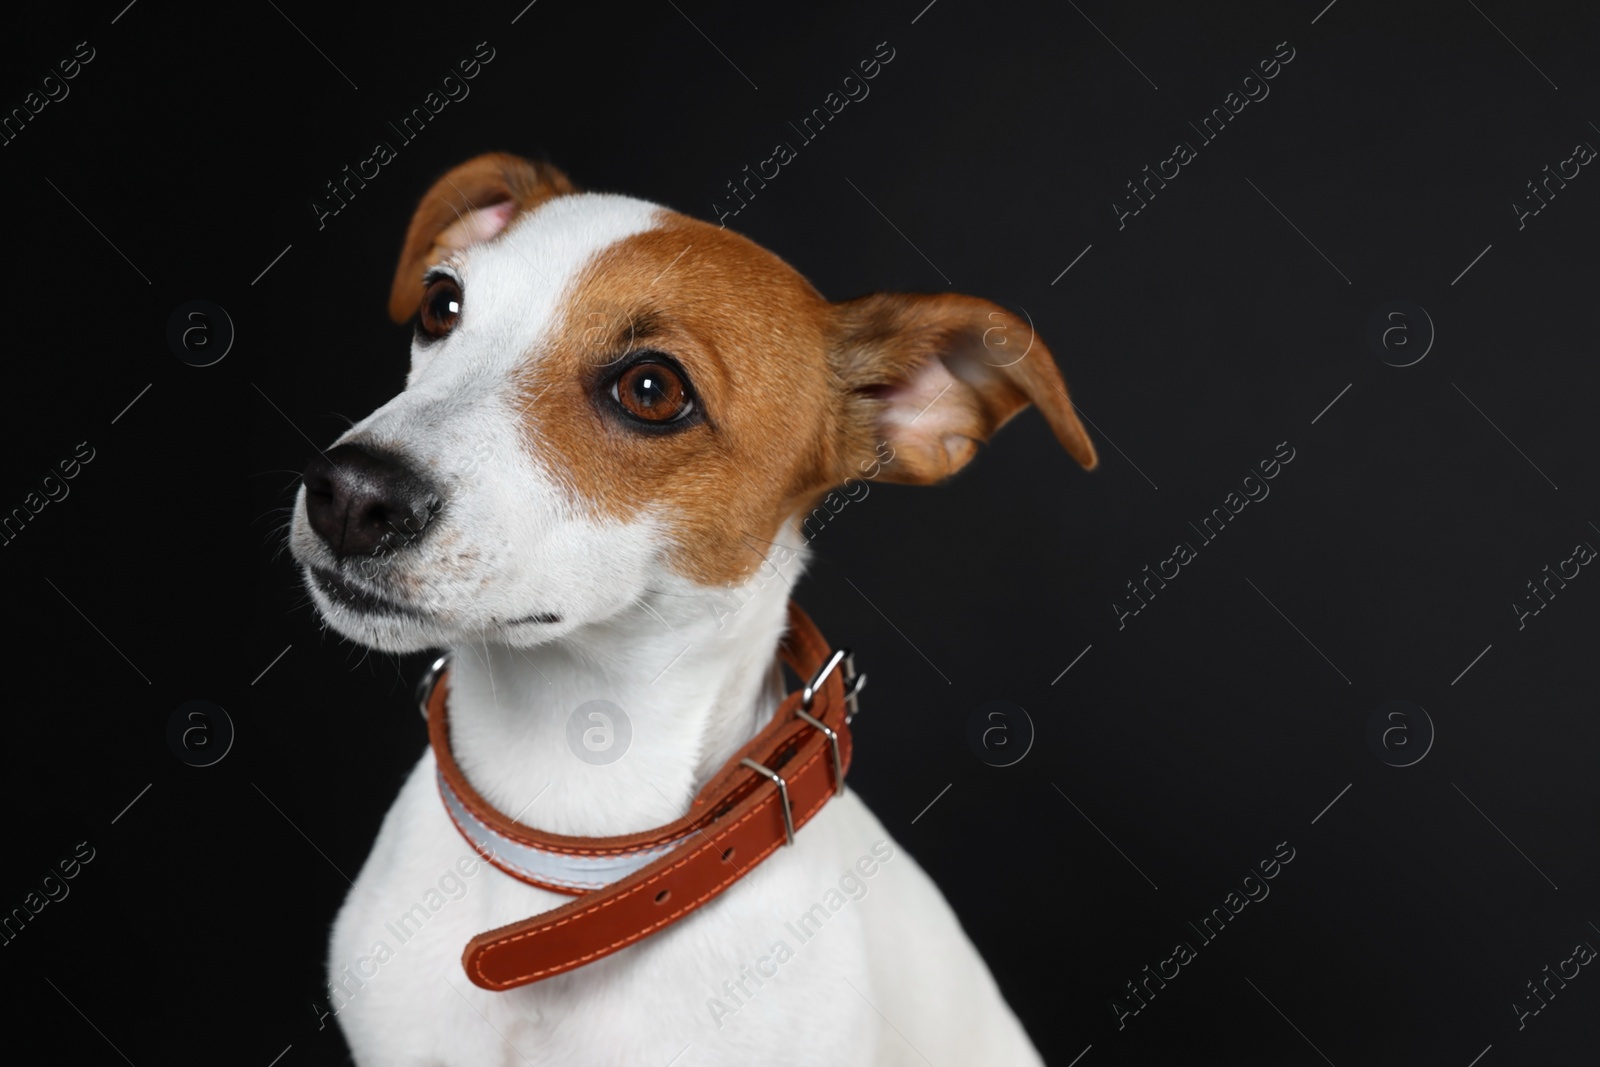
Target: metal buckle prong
{"x": 852, "y": 694}
{"x": 853, "y": 682}
{"x": 430, "y": 679}
{"x": 783, "y": 793}
{"x": 808, "y": 695}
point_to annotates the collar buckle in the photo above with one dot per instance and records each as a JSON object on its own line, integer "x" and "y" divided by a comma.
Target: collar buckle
{"x": 845, "y": 662}
{"x": 429, "y": 680}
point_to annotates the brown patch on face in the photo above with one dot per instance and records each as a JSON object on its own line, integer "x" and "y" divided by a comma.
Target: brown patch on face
{"x": 753, "y": 337}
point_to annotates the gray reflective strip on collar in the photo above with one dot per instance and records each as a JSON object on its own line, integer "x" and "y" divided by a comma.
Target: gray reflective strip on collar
{"x": 555, "y": 868}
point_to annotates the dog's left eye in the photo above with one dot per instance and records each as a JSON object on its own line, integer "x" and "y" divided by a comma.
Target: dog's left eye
{"x": 441, "y": 307}
{"x": 653, "y": 392}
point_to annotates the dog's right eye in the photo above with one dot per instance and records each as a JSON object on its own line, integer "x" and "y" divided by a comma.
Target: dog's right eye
{"x": 441, "y": 307}
{"x": 653, "y": 393}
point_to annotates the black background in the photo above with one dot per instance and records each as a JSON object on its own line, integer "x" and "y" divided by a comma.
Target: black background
{"x": 1196, "y": 338}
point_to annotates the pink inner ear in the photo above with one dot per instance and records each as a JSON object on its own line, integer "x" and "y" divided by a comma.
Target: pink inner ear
{"x": 930, "y": 419}
{"x": 477, "y": 226}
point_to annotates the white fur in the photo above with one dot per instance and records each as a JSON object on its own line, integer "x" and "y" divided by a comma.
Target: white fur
{"x": 889, "y": 978}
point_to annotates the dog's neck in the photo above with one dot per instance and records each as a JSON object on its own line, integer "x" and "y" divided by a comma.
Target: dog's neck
{"x": 693, "y": 671}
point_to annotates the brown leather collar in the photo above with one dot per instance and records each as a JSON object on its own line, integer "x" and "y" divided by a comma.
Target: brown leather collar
{"x": 632, "y": 885}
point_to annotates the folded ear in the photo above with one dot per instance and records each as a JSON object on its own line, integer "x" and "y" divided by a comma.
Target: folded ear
{"x": 469, "y": 205}
{"x": 934, "y": 375}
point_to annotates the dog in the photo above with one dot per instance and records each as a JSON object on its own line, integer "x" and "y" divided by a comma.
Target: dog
{"x": 591, "y": 489}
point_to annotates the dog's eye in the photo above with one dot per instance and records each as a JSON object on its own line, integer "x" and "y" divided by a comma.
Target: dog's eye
{"x": 653, "y": 392}
{"x": 441, "y": 307}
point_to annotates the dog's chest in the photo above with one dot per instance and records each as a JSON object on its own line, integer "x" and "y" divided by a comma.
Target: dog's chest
{"x": 747, "y": 974}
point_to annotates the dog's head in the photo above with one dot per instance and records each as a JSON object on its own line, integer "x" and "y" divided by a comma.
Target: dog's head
{"x": 607, "y": 398}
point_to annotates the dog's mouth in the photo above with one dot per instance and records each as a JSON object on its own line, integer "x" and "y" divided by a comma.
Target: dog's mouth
{"x": 543, "y": 618}
{"x": 363, "y": 601}
{"x": 340, "y": 591}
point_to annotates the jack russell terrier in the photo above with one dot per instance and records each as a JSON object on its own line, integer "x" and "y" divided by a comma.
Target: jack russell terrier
{"x": 591, "y": 491}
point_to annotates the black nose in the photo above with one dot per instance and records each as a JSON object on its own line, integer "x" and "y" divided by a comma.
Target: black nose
{"x": 361, "y": 502}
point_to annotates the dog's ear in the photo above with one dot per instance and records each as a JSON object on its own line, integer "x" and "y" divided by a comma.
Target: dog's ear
{"x": 931, "y": 376}
{"x": 470, "y": 204}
